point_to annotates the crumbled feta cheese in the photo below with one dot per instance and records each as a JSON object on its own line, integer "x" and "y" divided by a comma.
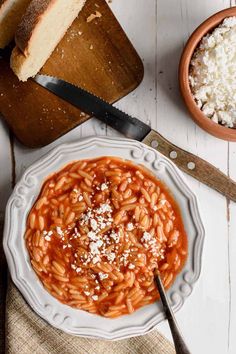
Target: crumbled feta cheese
{"x": 104, "y": 186}
{"x": 131, "y": 266}
{"x": 95, "y": 297}
{"x": 213, "y": 74}
{"x": 102, "y": 276}
{"x": 130, "y": 226}
{"x": 59, "y": 231}
{"x": 94, "y": 247}
{"x": 115, "y": 236}
{"x": 96, "y": 259}
{"x": 47, "y": 235}
{"x": 111, "y": 256}
{"x": 94, "y": 224}
{"x": 146, "y": 236}
{"x": 104, "y": 208}
{"x": 92, "y": 235}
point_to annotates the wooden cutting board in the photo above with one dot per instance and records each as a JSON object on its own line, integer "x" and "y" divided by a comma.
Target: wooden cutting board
{"x": 94, "y": 54}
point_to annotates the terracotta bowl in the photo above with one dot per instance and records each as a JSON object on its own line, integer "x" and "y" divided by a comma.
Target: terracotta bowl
{"x": 198, "y": 116}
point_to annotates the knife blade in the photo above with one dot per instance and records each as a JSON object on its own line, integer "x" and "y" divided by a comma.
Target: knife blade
{"x": 136, "y": 129}
{"x": 90, "y": 104}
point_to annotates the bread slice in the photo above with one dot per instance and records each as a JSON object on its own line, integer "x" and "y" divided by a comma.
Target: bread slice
{"x": 11, "y": 12}
{"x": 41, "y": 29}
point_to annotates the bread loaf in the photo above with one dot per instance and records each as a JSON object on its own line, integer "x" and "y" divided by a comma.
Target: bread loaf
{"x": 40, "y": 30}
{"x": 11, "y": 12}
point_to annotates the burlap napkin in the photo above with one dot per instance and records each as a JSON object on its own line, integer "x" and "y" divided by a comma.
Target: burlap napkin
{"x": 28, "y": 333}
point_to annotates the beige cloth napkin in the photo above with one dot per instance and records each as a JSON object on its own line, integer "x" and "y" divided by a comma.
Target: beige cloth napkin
{"x": 27, "y": 333}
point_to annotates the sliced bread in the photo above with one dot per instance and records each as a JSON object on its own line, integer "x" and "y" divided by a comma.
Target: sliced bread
{"x": 11, "y": 12}
{"x": 41, "y": 29}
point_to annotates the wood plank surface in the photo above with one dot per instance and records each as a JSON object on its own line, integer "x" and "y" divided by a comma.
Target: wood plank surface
{"x": 204, "y": 318}
{"x": 5, "y": 190}
{"x": 95, "y": 55}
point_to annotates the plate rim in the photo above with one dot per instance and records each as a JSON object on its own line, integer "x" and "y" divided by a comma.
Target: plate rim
{"x": 84, "y": 144}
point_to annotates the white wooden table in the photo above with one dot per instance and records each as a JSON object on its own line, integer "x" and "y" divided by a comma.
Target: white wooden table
{"x": 159, "y": 30}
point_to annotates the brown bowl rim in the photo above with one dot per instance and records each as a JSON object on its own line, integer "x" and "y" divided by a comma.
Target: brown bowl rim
{"x": 197, "y": 115}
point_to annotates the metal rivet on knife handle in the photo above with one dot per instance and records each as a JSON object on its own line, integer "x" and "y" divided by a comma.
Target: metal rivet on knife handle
{"x": 173, "y": 155}
{"x": 194, "y": 166}
{"x": 191, "y": 165}
{"x": 154, "y": 144}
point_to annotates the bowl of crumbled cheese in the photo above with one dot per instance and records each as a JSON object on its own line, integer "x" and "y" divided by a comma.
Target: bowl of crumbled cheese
{"x": 207, "y": 75}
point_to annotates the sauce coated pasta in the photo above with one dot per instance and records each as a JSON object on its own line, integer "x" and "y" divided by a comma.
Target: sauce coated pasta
{"x": 97, "y": 232}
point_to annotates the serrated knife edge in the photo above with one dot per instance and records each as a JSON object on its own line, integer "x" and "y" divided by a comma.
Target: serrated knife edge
{"x": 136, "y": 129}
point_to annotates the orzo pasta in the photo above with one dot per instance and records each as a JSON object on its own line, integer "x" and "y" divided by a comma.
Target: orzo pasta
{"x": 98, "y": 230}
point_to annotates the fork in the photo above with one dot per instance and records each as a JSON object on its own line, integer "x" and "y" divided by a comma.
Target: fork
{"x": 180, "y": 346}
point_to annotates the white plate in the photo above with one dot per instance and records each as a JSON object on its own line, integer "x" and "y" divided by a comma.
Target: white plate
{"x": 79, "y": 322}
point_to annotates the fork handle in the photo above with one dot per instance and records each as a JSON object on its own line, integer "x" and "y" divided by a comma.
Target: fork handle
{"x": 180, "y": 346}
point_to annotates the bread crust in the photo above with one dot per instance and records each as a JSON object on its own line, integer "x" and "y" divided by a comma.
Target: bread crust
{"x": 25, "y": 60}
{"x": 16, "y": 61}
{"x": 10, "y": 16}
{"x": 30, "y": 20}
{"x": 2, "y": 3}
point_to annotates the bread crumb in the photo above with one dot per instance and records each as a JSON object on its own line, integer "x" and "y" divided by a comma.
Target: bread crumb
{"x": 93, "y": 16}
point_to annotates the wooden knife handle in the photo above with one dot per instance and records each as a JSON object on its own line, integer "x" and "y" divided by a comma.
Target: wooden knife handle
{"x": 196, "y": 167}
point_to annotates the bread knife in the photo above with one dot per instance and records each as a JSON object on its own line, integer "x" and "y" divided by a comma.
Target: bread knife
{"x": 133, "y": 128}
